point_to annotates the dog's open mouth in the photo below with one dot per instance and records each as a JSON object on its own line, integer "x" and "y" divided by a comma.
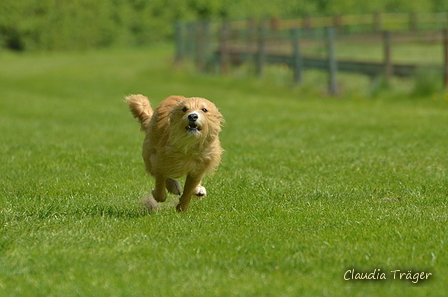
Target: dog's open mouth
{"x": 193, "y": 127}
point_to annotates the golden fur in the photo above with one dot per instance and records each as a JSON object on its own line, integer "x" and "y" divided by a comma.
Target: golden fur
{"x": 181, "y": 140}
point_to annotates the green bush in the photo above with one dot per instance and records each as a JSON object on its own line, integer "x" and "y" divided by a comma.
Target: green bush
{"x": 82, "y": 24}
{"x": 427, "y": 82}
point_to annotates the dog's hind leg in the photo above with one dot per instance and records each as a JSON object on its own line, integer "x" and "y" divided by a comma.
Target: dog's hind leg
{"x": 173, "y": 186}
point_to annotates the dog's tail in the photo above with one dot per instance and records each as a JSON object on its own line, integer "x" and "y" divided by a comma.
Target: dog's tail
{"x": 140, "y": 109}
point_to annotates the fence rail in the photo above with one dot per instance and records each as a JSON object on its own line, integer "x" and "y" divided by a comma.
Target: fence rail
{"x": 278, "y": 41}
{"x": 375, "y": 21}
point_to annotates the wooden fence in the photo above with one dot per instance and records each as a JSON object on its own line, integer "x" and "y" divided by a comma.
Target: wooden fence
{"x": 363, "y": 22}
{"x": 220, "y": 45}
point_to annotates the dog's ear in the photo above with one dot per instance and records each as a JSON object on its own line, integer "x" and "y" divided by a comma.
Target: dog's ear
{"x": 218, "y": 121}
{"x": 173, "y": 103}
{"x": 176, "y": 98}
{"x": 217, "y": 115}
{"x": 221, "y": 118}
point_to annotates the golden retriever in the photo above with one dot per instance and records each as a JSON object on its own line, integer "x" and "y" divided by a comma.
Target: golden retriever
{"x": 181, "y": 140}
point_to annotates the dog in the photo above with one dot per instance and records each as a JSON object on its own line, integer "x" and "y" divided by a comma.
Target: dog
{"x": 181, "y": 140}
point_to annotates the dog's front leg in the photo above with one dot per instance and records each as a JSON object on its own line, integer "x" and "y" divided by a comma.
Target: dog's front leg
{"x": 159, "y": 192}
{"x": 190, "y": 186}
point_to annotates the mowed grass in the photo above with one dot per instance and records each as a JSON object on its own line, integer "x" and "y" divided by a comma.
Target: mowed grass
{"x": 309, "y": 187}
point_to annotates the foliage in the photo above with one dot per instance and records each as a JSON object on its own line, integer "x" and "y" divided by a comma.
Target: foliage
{"x": 81, "y": 24}
{"x": 427, "y": 82}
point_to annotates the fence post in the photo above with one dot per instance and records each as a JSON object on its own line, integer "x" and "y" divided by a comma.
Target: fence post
{"x": 388, "y": 67}
{"x": 197, "y": 46}
{"x": 206, "y": 43}
{"x": 332, "y": 62}
{"x": 250, "y": 32}
{"x": 338, "y": 22}
{"x": 189, "y": 40}
{"x": 307, "y": 24}
{"x": 377, "y": 22}
{"x": 224, "y": 48}
{"x": 445, "y": 49}
{"x": 298, "y": 62}
{"x": 413, "y": 21}
{"x": 275, "y": 25}
{"x": 202, "y": 36}
{"x": 178, "y": 29}
{"x": 261, "y": 51}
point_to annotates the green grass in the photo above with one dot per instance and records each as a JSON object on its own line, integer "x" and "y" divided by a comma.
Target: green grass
{"x": 309, "y": 186}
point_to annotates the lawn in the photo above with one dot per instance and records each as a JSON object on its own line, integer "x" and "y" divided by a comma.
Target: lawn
{"x": 309, "y": 187}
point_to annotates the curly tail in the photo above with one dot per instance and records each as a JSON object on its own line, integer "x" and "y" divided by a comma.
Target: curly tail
{"x": 140, "y": 108}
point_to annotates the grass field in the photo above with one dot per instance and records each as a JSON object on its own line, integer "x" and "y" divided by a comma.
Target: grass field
{"x": 309, "y": 187}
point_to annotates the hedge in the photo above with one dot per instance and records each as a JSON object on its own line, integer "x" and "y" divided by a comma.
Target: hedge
{"x": 83, "y": 24}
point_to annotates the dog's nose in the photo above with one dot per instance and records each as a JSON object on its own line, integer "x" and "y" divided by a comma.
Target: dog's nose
{"x": 193, "y": 117}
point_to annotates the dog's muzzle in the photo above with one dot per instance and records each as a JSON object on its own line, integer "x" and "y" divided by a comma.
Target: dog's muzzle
{"x": 193, "y": 126}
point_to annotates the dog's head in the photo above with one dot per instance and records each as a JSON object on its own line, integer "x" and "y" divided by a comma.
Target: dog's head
{"x": 195, "y": 119}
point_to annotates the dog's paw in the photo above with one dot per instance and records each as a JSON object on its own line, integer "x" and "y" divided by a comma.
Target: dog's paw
{"x": 150, "y": 203}
{"x": 200, "y": 192}
{"x": 160, "y": 197}
{"x": 173, "y": 186}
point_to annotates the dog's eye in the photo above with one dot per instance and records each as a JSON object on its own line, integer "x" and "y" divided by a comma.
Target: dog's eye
{"x": 204, "y": 110}
{"x": 184, "y": 109}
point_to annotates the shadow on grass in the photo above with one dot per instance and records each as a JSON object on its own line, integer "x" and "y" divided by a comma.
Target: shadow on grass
{"x": 52, "y": 211}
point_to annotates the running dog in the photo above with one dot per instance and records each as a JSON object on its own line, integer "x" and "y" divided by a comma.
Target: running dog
{"x": 181, "y": 140}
